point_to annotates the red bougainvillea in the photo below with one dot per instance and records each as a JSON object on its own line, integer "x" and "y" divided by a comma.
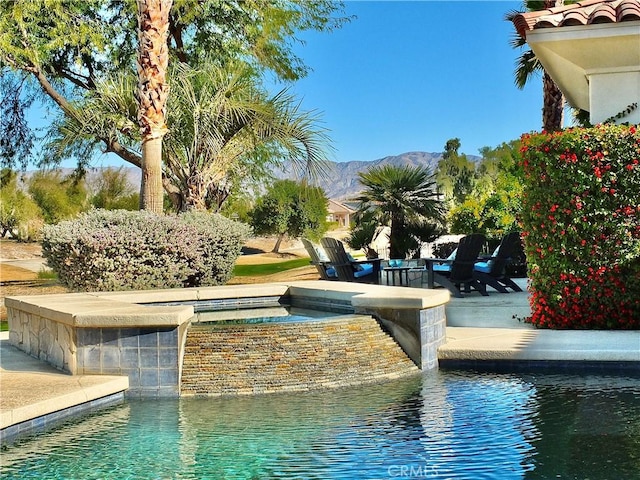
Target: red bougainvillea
{"x": 581, "y": 225}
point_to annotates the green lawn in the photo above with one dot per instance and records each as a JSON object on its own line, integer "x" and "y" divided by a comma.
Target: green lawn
{"x": 268, "y": 268}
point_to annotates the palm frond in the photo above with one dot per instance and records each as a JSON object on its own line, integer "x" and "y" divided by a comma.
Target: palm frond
{"x": 527, "y": 65}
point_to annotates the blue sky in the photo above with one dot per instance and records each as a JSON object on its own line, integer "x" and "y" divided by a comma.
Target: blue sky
{"x": 409, "y": 75}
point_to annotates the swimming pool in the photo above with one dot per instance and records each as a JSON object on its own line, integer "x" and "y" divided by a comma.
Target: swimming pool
{"x": 440, "y": 424}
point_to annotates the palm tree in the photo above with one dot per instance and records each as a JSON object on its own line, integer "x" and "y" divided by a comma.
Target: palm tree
{"x": 226, "y": 129}
{"x": 527, "y": 65}
{"x": 404, "y": 198}
{"x": 152, "y": 93}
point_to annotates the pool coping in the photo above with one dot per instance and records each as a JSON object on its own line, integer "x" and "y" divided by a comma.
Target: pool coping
{"x": 106, "y": 309}
{"x": 479, "y": 344}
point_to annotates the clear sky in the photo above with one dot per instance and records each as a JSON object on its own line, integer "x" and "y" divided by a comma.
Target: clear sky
{"x": 409, "y": 75}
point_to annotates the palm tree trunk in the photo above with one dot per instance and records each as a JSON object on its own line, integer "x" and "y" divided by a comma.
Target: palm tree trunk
{"x": 552, "y": 96}
{"x": 394, "y": 250}
{"x": 151, "y": 189}
{"x": 152, "y": 93}
{"x": 194, "y": 197}
{"x": 552, "y": 105}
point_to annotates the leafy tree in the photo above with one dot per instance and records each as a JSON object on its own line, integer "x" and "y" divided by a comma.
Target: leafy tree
{"x": 498, "y": 165}
{"x": 20, "y": 216}
{"x": 238, "y": 207}
{"x": 404, "y": 198}
{"x": 365, "y": 225}
{"x": 451, "y": 148}
{"x": 528, "y": 65}
{"x": 466, "y": 218}
{"x": 290, "y": 208}
{"x": 227, "y": 129}
{"x": 111, "y": 190}
{"x": 16, "y": 139}
{"x": 59, "y": 197}
{"x": 494, "y": 206}
{"x": 455, "y": 175}
{"x": 76, "y": 46}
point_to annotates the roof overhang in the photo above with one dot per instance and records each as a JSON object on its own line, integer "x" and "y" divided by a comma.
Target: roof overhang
{"x": 572, "y": 54}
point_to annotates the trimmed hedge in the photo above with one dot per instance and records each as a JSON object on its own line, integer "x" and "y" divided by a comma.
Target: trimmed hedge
{"x": 581, "y": 222}
{"x": 135, "y": 250}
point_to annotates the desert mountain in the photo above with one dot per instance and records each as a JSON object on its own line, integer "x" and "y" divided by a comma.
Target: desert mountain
{"x": 341, "y": 182}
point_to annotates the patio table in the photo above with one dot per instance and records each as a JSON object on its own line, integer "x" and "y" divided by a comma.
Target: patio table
{"x": 403, "y": 275}
{"x": 429, "y": 263}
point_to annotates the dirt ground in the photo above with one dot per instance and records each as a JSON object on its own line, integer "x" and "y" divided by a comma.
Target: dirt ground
{"x": 17, "y": 281}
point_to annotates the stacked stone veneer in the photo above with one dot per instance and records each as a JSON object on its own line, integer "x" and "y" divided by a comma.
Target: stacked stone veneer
{"x": 114, "y": 333}
{"x": 265, "y": 358}
{"x": 419, "y": 332}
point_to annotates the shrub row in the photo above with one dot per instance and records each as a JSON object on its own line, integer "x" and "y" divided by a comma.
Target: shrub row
{"x": 581, "y": 225}
{"x": 134, "y": 250}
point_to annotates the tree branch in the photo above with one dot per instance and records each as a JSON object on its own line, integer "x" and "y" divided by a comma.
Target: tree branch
{"x": 116, "y": 147}
{"x": 78, "y": 80}
{"x": 175, "y": 32}
{"x": 50, "y": 90}
{"x": 111, "y": 145}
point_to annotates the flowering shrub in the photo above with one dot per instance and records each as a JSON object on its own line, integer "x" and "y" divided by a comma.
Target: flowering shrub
{"x": 581, "y": 222}
{"x": 133, "y": 250}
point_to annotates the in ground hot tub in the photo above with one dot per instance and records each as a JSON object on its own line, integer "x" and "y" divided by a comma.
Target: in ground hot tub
{"x": 128, "y": 333}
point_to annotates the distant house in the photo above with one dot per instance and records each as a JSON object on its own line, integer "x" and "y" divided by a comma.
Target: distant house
{"x": 591, "y": 49}
{"x": 339, "y": 213}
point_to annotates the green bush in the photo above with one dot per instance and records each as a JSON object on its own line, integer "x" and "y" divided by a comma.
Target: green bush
{"x": 112, "y": 190}
{"x": 581, "y": 222}
{"x": 20, "y": 216}
{"x": 59, "y": 197}
{"x": 123, "y": 250}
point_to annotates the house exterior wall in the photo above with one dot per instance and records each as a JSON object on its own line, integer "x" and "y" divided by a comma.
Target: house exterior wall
{"x": 612, "y": 92}
{"x": 597, "y": 66}
{"x": 342, "y": 219}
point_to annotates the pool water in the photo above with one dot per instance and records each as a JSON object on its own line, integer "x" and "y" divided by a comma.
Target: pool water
{"x": 443, "y": 424}
{"x": 248, "y": 316}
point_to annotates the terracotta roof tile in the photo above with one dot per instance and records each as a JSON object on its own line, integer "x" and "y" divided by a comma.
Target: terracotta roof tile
{"x": 581, "y": 13}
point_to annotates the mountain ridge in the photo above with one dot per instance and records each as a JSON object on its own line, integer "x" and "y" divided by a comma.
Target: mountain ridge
{"x": 341, "y": 182}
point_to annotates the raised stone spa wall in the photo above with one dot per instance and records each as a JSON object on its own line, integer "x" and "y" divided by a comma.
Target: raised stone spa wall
{"x": 123, "y": 333}
{"x": 150, "y": 357}
{"x": 249, "y": 359}
{"x": 104, "y": 334}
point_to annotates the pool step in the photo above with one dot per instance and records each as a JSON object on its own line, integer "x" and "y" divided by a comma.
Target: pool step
{"x": 265, "y": 358}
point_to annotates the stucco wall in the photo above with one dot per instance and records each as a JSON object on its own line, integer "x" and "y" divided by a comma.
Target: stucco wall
{"x": 611, "y": 93}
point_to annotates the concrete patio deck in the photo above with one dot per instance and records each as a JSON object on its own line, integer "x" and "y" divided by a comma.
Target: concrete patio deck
{"x": 491, "y": 329}
{"x": 480, "y": 329}
{"x": 34, "y": 395}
